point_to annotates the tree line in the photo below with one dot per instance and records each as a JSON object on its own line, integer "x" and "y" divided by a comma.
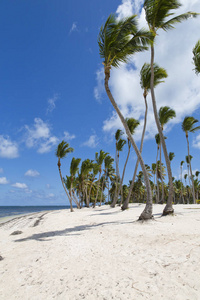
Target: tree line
{"x": 119, "y": 40}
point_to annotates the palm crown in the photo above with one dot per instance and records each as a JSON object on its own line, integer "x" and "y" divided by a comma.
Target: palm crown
{"x": 145, "y": 76}
{"x": 188, "y": 125}
{"x": 159, "y": 11}
{"x": 165, "y": 114}
{"x": 196, "y": 57}
{"x": 119, "y": 39}
{"x": 62, "y": 150}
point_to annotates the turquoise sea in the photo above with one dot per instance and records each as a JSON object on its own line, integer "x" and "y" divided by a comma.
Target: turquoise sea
{"x": 6, "y": 211}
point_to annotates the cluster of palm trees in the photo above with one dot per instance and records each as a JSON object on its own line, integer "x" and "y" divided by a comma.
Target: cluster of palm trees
{"x": 118, "y": 40}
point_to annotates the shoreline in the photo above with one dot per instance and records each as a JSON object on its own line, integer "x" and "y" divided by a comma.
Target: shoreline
{"x": 101, "y": 253}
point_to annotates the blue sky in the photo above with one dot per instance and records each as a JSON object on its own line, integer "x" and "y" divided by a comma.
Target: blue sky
{"x": 51, "y": 88}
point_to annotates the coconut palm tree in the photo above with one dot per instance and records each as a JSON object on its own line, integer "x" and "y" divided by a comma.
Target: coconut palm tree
{"x": 119, "y": 147}
{"x": 86, "y": 168}
{"x": 118, "y": 40}
{"x": 157, "y": 16}
{"x": 181, "y": 167}
{"x": 95, "y": 170}
{"x": 165, "y": 115}
{"x": 145, "y": 77}
{"x": 99, "y": 159}
{"x": 132, "y": 125}
{"x": 196, "y": 57}
{"x": 61, "y": 152}
{"x": 74, "y": 167}
{"x": 188, "y": 126}
{"x": 108, "y": 171}
{"x": 197, "y": 177}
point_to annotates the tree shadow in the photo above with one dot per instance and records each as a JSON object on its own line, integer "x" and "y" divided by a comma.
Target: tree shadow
{"x": 45, "y": 236}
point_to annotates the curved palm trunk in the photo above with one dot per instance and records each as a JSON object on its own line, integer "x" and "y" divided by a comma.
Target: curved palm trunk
{"x": 70, "y": 200}
{"x": 126, "y": 202}
{"x": 102, "y": 190}
{"x": 168, "y": 208}
{"x": 182, "y": 185}
{"x": 147, "y": 213}
{"x": 193, "y": 192}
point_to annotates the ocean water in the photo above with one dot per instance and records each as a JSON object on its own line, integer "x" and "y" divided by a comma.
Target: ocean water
{"x": 6, "y": 211}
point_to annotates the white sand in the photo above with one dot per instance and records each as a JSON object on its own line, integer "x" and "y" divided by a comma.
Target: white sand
{"x": 102, "y": 253}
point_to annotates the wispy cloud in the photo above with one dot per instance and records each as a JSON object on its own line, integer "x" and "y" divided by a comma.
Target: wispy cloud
{"x": 39, "y": 135}
{"x": 99, "y": 89}
{"x": 32, "y": 173}
{"x": 8, "y": 148}
{"x": 1, "y": 170}
{"x": 3, "y": 180}
{"x": 68, "y": 136}
{"x": 92, "y": 142}
{"x": 20, "y": 185}
{"x": 74, "y": 27}
{"x": 52, "y": 104}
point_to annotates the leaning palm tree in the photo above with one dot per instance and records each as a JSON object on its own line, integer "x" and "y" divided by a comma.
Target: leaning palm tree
{"x": 61, "y": 152}
{"x": 145, "y": 77}
{"x": 74, "y": 167}
{"x": 157, "y": 16}
{"x": 188, "y": 126}
{"x": 196, "y": 57}
{"x": 132, "y": 125}
{"x": 118, "y": 40}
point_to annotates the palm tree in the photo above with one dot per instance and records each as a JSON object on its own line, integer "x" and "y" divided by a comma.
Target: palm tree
{"x": 165, "y": 115}
{"x": 117, "y": 41}
{"x": 145, "y": 77}
{"x": 181, "y": 167}
{"x": 61, "y": 152}
{"x": 95, "y": 170}
{"x": 99, "y": 159}
{"x": 157, "y": 16}
{"x": 86, "y": 168}
{"x": 119, "y": 147}
{"x": 74, "y": 167}
{"x": 132, "y": 125}
{"x": 109, "y": 171}
{"x": 196, "y": 57}
{"x": 188, "y": 126}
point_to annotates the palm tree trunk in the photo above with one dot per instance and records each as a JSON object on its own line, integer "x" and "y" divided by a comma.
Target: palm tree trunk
{"x": 162, "y": 184}
{"x": 168, "y": 208}
{"x": 193, "y": 193}
{"x": 102, "y": 190}
{"x": 70, "y": 200}
{"x": 94, "y": 204}
{"x": 121, "y": 185}
{"x": 126, "y": 202}
{"x": 116, "y": 195}
{"x": 147, "y": 213}
{"x": 157, "y": 181}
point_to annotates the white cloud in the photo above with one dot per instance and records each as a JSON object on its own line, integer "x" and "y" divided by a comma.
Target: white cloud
{"x": 99, "y": 89}
{"x": 8, "y": 149}
{"x": 68, "y": 136}
{"x": 32, "y": 173}
{"x": 173, "y": 51}
{"x": 1, "y": 170}
{"x": 20, "y": 185}
{"x": 39, "y": 135}
{"x": 196, "y": 142}
{"x": 51, "y": 103}
{"x": 3, "y": 180}
{"x": 74, "y": 27}
{"x": 92, "y": 142}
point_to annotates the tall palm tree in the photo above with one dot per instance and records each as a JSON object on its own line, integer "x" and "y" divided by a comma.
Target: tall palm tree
{"x": 188, "y": 126}
{"x": 86, "y": 168}
{"x": 99, "y": 159}
{"x": 95, "y": 170}
{"x": 181, "y": 167}
{"x": 61, "y": 152}
{"x": 197, "y": 176}
{"x": 132, "y": 125}
{"x": 119, "y": 147}
{"x": 74, "y": 167}
{"x": 196, "y": 57}
{"x": 157, "y": 16}
{"x": 145, "y": 77}
{"x": 165, "y": 115}
{"x": 108, "y": 171}
{"x": 118, "y": 40}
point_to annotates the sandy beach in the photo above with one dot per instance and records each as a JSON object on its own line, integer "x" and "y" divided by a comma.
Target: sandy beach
{"x": 101, "y": 253}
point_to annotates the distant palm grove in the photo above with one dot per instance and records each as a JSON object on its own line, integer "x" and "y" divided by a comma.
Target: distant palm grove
{"x": 98, "y": 180}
